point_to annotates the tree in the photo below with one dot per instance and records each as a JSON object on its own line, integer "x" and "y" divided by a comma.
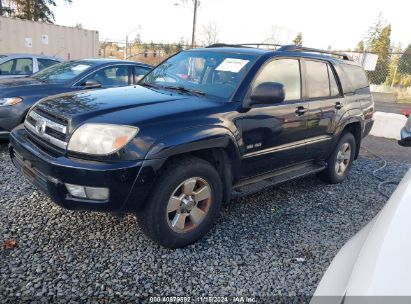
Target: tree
{"x": 393, "y": 74}
{"x": 298, "y": 40}
{"x": 35, "y": 10}
{"x": 374, "y": 31}
{"x": 210, "y": 33}
{"x": 381, "y": 45}
{"x": 404, "y": 63}
{"x": 360, "y": 47}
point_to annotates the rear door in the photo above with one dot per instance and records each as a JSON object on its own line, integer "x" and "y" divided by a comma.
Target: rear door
{"x": 324, "y": 99}
{"x": 274, "y": 135}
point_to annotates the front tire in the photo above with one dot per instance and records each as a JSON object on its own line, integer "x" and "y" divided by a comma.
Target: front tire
{"x": 340, "y": 161}
{"x": 184, "y": 204}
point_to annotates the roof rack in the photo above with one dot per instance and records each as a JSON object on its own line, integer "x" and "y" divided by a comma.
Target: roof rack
{"x": 296, "y": 48}
{"x": 249, "y": 45}
{"x": 279, "y": 47}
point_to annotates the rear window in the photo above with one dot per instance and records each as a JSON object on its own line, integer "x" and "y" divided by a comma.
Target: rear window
{"x": 356, "y": 75}
{"x": 318, "y": 83}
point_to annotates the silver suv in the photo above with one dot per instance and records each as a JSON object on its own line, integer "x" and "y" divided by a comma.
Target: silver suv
{"x": 19, "y": 65}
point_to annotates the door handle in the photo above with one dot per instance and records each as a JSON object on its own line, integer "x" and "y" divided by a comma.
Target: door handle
{"x": 299, "y": 111}
{"x": 338, "y": 105}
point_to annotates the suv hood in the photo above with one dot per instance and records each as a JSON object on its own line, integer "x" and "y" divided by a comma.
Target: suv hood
{"x": 136, "y": 103}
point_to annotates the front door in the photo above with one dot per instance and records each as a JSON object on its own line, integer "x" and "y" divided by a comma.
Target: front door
{"x": 274, "y": 135}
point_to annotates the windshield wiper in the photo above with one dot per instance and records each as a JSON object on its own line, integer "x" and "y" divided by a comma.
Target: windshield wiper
{"x": 149, "y": 85}
{"x": 185, "y": 90}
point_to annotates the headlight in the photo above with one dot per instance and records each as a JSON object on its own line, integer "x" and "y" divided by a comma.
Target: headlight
{"x": 100, "y": 139}
{"x": 10, "y": 101}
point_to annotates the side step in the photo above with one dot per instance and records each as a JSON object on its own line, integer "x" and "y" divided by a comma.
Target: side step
{"x": 279, "y": 176}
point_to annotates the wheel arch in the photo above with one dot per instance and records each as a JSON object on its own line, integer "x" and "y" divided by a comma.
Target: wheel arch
{"x": 355, "y": 127}
{"x": 217, "y": 146}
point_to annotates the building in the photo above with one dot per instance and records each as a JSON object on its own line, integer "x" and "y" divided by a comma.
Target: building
{"x": 24, "y": 36}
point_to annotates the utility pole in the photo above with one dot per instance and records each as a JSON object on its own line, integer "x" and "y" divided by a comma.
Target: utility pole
{"x": 126, "y": 48}
{"x": 193, "y": 36}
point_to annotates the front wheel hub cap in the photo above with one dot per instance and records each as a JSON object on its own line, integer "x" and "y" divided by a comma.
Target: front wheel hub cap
{"x": 188, "y": 205}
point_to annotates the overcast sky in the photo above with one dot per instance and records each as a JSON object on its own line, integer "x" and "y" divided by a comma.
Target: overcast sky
{"x": 340, "y": 24}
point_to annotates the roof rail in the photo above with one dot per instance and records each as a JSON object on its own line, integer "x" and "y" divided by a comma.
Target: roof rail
{"x": 249, "y": 45}
{"x": 280, "y": 47}
{"x": 296, "y": 48}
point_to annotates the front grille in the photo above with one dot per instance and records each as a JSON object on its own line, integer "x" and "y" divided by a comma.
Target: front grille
{"x": 47, "y": 127}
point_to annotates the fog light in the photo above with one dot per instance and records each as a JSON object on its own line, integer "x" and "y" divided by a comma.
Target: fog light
{"x": 93, "y": 193}
{"x": 97, "y": 193}
{"x": 76, "y": 191}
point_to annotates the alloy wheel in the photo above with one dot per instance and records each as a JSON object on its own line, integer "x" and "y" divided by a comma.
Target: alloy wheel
{"x": 343, "y": 158}
{"x": 188, "y": 205}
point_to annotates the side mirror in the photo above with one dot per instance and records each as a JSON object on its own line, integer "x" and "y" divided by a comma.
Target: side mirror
{"x": 92, "y": 84}
{"x": 267, "y": 93}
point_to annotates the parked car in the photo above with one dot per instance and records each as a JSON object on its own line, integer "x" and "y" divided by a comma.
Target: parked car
{"x": 17, "y": 95}
{"x": 374, "y": 265}
{"x": 20, "y": 65}
{"x": 406, "y": 134}
{"x": 203, "y": 122}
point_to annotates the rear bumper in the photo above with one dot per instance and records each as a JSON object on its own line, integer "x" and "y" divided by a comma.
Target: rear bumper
{"x": 367, "y": 127}
{"x": 129, "y": 182}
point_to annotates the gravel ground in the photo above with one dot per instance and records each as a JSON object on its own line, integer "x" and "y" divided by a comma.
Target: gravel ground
{"x": 277, "y": 242}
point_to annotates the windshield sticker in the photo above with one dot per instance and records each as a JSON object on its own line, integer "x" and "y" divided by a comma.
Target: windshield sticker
{"x": 232, "y": 65}
{"x": 80, "y": 67}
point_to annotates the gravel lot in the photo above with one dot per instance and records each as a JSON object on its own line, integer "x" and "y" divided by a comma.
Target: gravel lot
{"x": 254, "y": 250}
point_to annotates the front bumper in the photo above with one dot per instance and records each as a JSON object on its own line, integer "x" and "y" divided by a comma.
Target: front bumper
{"x": 129, "y": 182}
{"x": 405, "y": 138}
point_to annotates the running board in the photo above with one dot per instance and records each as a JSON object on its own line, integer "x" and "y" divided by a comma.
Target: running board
{"x": 284, "y": 175}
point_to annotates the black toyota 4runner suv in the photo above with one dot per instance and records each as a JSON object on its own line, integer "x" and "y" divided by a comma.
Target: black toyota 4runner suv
{"x": 202, "y": 123}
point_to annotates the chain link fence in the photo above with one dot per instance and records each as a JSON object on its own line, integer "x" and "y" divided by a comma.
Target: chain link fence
{"x": 150, "y": 53}
{"x": 389, "y": 75}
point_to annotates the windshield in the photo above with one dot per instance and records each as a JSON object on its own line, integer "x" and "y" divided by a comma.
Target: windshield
{"x": 63, "y": 72}
{"x": 209, "y": 73}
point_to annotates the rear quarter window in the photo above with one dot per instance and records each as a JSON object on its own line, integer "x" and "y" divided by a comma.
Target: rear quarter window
{"x": 356, "y": 76}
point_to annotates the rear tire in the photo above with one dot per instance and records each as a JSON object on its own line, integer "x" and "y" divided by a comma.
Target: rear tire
{"x": 184, "y": 204}
{"x": 340, "y": 161}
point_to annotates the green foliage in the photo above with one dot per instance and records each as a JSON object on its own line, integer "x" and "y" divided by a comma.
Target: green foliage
{"x": 35, "y": 10}
{"x": 404, "y": 63}
{"x": 360, "y": 47}
{"x": 298, "y": 40}
{"x": 380, "y": 44}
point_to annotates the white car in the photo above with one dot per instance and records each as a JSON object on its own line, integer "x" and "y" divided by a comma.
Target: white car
{"x": 19, "y": 65}
{"x": 375, "y": 265}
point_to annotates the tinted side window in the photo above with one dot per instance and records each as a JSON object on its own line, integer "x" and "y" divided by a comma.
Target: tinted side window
{"x": 285, "y": 71}
{"x": 45, "y": 63}
{"x": 21, "y": 66}
{"x": 6, "y": 68}
{"x": 140, "y": 72}
{"x": 333, "y": 83}
{"x": 318, "y": 84}
{"x": 111, "y": 76}
{"x": 356, "y": 75}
